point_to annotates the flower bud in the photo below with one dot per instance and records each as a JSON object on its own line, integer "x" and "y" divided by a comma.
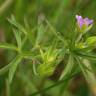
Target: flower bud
{"x": 91, "y": 41}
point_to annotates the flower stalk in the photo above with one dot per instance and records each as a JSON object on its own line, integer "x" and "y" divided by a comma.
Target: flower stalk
{"x": 84, "y": 25}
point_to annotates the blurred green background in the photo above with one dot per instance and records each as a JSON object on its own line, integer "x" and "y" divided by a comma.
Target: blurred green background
{"x": 61, "y": 14}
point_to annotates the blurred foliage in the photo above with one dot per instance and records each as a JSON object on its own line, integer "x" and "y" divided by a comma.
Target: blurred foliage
{"x": 37, "y": 20}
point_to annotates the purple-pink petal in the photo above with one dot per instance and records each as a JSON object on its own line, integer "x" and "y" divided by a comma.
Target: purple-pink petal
{"x": 80, "y": 20}
{"x": 88, "y": 22}
{"x": 84, "y": 21}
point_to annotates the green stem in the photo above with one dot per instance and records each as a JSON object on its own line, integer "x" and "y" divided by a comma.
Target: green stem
{"x": 79, "y": 38}
{"x": 7, "y": 88}
{"x": 54, "y": 85}
{"x": 88, "y": 74}
{"x": 91, "y": 79}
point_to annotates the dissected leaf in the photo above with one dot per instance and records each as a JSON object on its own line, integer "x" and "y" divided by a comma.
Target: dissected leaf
{"x": 8, "y": 46}
{"x": 13, "y": 67}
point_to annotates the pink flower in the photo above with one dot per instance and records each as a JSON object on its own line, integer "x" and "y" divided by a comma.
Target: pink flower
{"x": 83, "y": 21}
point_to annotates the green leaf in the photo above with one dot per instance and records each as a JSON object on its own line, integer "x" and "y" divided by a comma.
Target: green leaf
{"x": 17, "y": 34}
{"x": 22, "y": 28}
{"x": 68, "y": 68}
{"x": 42, "y": 54}
{"x": 8, "y": 46}
{"x": 5, "y": 69}
{"x": 86, "y": 55}
{"x": 40, "y": 34}
{"x": 81, "y": 66}
{"x": 34, "y": 69}
{"x": 88, "y": 71}
{"x": 13, "y": 67}
{"x": 16, "y": 24}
